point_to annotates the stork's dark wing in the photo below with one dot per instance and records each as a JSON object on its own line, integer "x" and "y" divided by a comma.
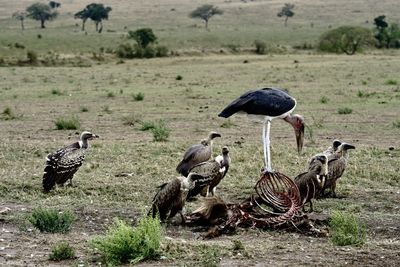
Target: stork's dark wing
{"x": 267, "y": 101}
{"x": 62, "y": 165}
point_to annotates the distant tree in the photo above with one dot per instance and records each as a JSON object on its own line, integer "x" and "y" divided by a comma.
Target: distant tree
{"x": 41, "y": 12}
{"x": 287, "y": 12}
{"x": 95, "y": 12}
{"x": 54, "y": 4}
{"x": 143, "y": 37}
{"x": 205, "y": 12}
{"x": 346, "y": 39}
{"x": 386, "y": 35}
{"x": 21, "y": 16}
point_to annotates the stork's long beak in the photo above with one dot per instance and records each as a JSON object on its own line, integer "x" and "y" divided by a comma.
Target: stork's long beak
{"x": 299, "y": 138}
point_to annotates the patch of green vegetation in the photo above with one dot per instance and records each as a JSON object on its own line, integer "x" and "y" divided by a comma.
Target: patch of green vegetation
{"x": 391, "y": 82}
{"x": 111, "y": 94}
{"x": 62, "y": 251}
{"x": 227, "y": 124}
{"x": 396, "y": 124}
{"x": 237, "y": 245}
{"x": 56, "y": 92}
{"x": 178, "y": 77}
{"x": 346, "y": 229}
{"x": 126, "y": 244}
{"x": 345, "y": 110}
{"x": 51, "y": 221}
{"x": 209, "y": 256}
{"x": 160, "y": 131}
{"x": 147, "y": 125}
{"x": 8, "y": 114}
{"x": 324, "y": 99}
{"x": 138, "y": 97}
{"x": 67, "y": 123}
{"x": 84, "y": 109}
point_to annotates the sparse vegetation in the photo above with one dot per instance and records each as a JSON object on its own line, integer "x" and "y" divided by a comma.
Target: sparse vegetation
{"x": 147, "y": 125}
{"x": 71, "y": 123}
{"x": 84, "y": 109}
{"x": 346, "y": 229}
{"x": 7, "y": 114}
{"x": 178, "y": 77}
{"x": 160, "y": 131}
{"x": 206, "y": 12}
{"x": 345, "y": 110}
{"x": 110, "y": 94}
{"x": 125, "y": 244}
{"x": 391, "y": 82}
{"x": 396, "y": 124}
{"x": 227, "y": 124}
{"x": 209, "y": 256}
{"x": 130, "y": 120}
{"x": 324, "y": 99}
{"x": 62, "y": 251}
{"x": 51, "y": 220}
{"x": 56, "y": 92}
{"x": 138, "y": 97}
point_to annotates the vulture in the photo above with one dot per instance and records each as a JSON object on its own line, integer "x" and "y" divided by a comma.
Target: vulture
{"x": 336, "y": 166}
{"x": 332, "y": 149}
{"x": 225, "y": 162}
{"x": 65, "y": 162}
{"x": 210, "y": 173}
{"x": 197, "y": 154}
{"x": 171, "y": 197}
{"x": 310, "y": 183}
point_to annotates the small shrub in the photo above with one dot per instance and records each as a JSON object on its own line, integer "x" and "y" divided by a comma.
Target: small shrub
{"x": 19, "y": 46}
{"x": 161, "y": 51}
{"x": 261, "y": 47}
{"x": 124, "y": 244}
{"x": 396, "y": 124}
{"x": 147, "y": 125}
{"x": 62, "y": 251}
{"x": 345, "y": 110}
{"x": 130, "y": 120}
{"x": 346, "y": 229}
{"x": 84, "y": 109}
{"x": 125, "y": 51}
{"x": 51, "y": 221}
{"x": 56, "y": 92}
{"x": 8, "y": 114}
{"x": 178, "y": 77}
{"x": 160, "y": 132}
{"x": 324, "y": 99}
{"x": 111, "y": 94}
{"x": 68, "y": 123}
{"x": 237, "y": 245}
{"x": 138, "y": 97}
{"x": 149, "y": 52}
{"x": 209, "y": 256}
{"x": 32, "y": 57}
{"x": 391, "y": 82}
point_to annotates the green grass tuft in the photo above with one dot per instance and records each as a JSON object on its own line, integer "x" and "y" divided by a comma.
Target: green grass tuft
{"x": 124, "y": 244}
{"x": 178, "y": 77}
{"x": 396, "y": 124}
{"x": 62, "y": 251}
{"x": 84, "y": 109}
{"x": 56, "y": 92}
{"x": 209, "y": 256}
{"x": 147, "y": 125}
{"x": 346, "y": 229}
{"x": 237, "y": 245}
{"x": 8, "y": 114}
{"x": 160, "y": 131}
{"x": 111, "y": 94}
{"x": 391, "y": 82}
{"x": 51, "y": 221}
{"x": 345, "y": 110}
{"x": 138, "y": 97}
{"x": 324, "y": 99}
{"x": 227, "y": 124}
{"x": 68, "y": 123}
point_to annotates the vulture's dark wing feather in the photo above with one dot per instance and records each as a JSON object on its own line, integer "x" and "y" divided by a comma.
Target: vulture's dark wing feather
{"x": 62, "y": 165}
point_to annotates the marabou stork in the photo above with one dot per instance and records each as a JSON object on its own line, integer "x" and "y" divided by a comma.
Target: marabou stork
{"x": 65, "y": 162}
{"x": 268, "y": 104}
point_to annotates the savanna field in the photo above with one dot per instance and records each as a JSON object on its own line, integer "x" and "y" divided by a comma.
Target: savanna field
{"x": 352, "y": 98}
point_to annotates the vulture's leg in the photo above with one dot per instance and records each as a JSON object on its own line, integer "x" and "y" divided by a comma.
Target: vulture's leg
{"x": 182, "y": 217}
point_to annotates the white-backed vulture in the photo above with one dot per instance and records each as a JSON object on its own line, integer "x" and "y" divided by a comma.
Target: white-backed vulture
{"x": 196, "y": 154}
{"x": 65, "y": 162}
